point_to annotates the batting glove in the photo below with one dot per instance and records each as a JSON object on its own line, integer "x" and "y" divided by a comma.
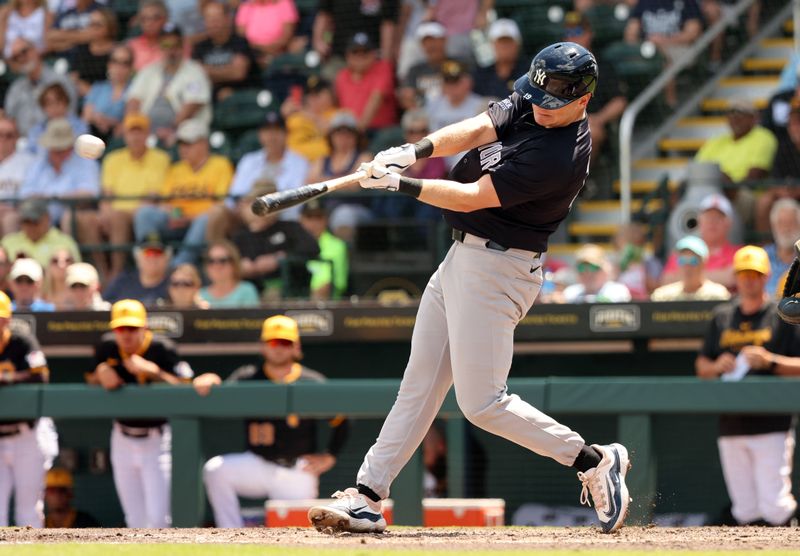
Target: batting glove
{"x": 396, "y": 159}
{"x": 378, "y": 177}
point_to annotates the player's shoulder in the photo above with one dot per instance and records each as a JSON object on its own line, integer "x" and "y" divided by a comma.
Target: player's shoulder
{"x": 245, "y": 372}
{"x": 310, "y": 375}
{"x": 22, "y": 338}
{"x": 163, "y": 343}
{"x": 724, "y": 311}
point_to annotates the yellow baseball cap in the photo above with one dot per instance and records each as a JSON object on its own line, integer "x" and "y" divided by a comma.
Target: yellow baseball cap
{"x": 280, "y": 327}
{"x": 5, "y": 306}
{"x": 128, "y": 312}
{"x": 59, "y": 478}
{"x": 751, "y": 257}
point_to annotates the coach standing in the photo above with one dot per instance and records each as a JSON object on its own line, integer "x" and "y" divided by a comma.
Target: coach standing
{"x": 528, "y": 159}
{"x": 755, "y": 451}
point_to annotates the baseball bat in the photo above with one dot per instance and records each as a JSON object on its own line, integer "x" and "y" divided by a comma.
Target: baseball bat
{"x": 281, "y": 200}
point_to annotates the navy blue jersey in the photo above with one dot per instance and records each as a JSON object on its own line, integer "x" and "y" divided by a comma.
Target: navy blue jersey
{"x": 537, "y": 173}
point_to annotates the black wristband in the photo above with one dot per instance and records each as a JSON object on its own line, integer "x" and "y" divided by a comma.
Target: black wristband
{"x": 423, "y": 148}
{"x": 410, "y": 186}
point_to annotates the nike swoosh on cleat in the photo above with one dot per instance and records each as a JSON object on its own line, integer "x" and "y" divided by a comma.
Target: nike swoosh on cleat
{"x": 613, "y": 500}
{"x": 365, "y": 515}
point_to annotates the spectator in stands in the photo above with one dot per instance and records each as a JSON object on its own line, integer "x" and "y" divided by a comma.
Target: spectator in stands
{"x": 225, "y": 56}
{"x": 54, "y": 101}
{"x": 71, "y": 27}
{"x": 26, "y": 286}
{"x": 746, "y": 336}
{"x": 5, "y": 269}
{"x": 497, "y": 79}
{"x": 415, "y": 126}
{"x": 713, "y": 226}
{"x": 172, "y": 90}
{"x": 460, "y": 17}
{"x": 184, "y": 288}
{"x": 88, "y": 62}
{"x": 282, "y": 460}
{"x": 151, "y": 18}
{"x": 22, "y": 99}
{"x": 54, "y": 286}
{"x": 746, "y": 153}
{"x": 672, "y": 26}
{"x": 693, "y": 284}
{"x": 202, "y": 179}
{"x": 37, "y": 238}
{"x": 223, "y": 265}
{"x": 609, "y": 99}
{"x": 776, "y": 115}
{"x": 457, "y": 101}
{"x": 784, "y": 220}
{"x": 786, "y": 166}
{"x": 273, "y": 162}
{"x": 58, "y": 510}
{"x": 83, "y": 289}
{"x": 365, "y": 86}
{"x": 148, "y": 281}
{"x": 14, "y": 166}
{"x": 307, "y": 121}
{"x": 329, "y": 272}
{"x": 134, "y": 171}
{"x": 337, "y": 20}
{"x": 267, "y": 243}
{"x": 26, "y": 19}
{"x": 636, "y": 267}
{"x": 595, "y": 283}
{"x": 410, "y": 51}
{"x": 268, "y": 26}
{"x": 423, "y": 82}
{"x": 104, "y": 105}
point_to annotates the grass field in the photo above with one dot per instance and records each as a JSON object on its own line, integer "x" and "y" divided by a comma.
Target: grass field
{"x": 265, "y": 550}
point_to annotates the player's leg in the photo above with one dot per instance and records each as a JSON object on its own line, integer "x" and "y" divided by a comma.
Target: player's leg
{"x": 6, "y": 480}
{"x": 155, "y": 481}
{"x": 426, "y": 380}
{"x": 737, "y": 460}
{"x": 772, "y": 471}
{"x": 29, "y": 475}
{"x": 228, "y": 476}
{"x": 486, "y": 294}
{"x": 126, "y": 469}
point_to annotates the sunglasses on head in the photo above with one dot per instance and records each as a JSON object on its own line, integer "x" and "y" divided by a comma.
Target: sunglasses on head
{"x": 126, "y": 329}
{"x": 280, "y": 342}
{"x": 181, "y": 284}
{"x": 587, "y": 267}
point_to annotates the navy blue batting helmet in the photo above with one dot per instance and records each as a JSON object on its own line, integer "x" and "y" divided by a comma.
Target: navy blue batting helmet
{"x": 559, "y": 74}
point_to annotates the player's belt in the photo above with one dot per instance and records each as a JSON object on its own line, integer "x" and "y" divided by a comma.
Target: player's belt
{"x": 14, "y": 429}
{"x": 137, "y": 432}
{"x": 469, "y": 239}
{"x": 283, "y": 462}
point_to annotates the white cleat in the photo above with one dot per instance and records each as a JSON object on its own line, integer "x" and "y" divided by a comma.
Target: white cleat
{"x": 606, "y": 484}
{"x": 351, "y": 511}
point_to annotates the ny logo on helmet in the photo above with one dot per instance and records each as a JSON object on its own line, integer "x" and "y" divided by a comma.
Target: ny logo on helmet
{"x": 539, "y": 77}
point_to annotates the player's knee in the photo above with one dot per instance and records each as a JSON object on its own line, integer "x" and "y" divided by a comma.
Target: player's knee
{"x": 479, "y": 411}
{"x": 212, "y": 470}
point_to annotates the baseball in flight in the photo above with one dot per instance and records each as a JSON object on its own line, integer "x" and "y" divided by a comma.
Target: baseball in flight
{"x": 89, "y": 146}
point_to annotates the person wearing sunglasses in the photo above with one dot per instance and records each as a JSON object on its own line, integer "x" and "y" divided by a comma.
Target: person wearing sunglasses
{"x": 693, "y": 285}
{"x": 595, "y": 283}
{"x": 130, "y": 355}
{"x": 527, "y": 160}
{"x": 282, "y": 459}
{"x": 25, "y": 457}
{"x": 184, "y": 288}
{"x": 224, "y": 271}
{"x": 25, "y": 281}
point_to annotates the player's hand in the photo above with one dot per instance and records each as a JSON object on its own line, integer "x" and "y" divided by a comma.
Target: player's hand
{"x": 396, "y": 159}
{"x": 757, "y": 357}
{"x": 203, "y": 383}
{"x": 108, "y": 377}
{"x": 138, "y": 365}
{"x": 378, "y": 177}
{"x": 317, "y": 464}
{"x": 724, "y": 363}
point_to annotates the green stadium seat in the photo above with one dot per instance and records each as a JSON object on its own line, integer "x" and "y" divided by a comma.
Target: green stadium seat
{"x": 247, "y": 142}
{"x": 385, "y": 138}
{"x": 606, "y": 28}
{"x": 243, "y": 109}
{"x": 289, "y": 69}
{"x": 633, "y": 68}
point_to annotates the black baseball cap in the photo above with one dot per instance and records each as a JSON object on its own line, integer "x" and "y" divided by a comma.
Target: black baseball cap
{"x": 360, "y": 41}
{"x": 170, "y": 29}
{"x": 273, "y": 119}
{"x": 315, "y": 84}
{"x": 314, "y": 207}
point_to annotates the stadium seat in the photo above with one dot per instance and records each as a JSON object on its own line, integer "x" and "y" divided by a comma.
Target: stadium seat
{"x": 247, "y": 142}
{"x": 243, "y": 109}
{"x": 385, "y": 138}
{"x": 606, "y": 28}
{"x": 633, "y": 68}
{"x": 290, "y": 69}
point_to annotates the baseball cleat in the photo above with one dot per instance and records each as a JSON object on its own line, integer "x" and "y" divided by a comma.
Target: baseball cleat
{"x": 606, "y": 484}
{"x": 351, "y": 511}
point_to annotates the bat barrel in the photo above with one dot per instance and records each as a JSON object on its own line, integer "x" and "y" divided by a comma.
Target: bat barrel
{"x": 261, "y": 206}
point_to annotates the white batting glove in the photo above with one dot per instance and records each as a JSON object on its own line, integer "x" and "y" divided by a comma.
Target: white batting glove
{"x": 379, "y": 177}
{"x": 396, "y": 159}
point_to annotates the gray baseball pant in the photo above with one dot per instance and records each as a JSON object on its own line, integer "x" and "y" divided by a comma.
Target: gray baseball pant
{"x": 464, "y": 336}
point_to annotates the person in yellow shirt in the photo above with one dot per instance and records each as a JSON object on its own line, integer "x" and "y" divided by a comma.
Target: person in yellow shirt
{"x": 307, "y": 119}
{"x": 134, "y": 171}
{"x": 194, "y": 184}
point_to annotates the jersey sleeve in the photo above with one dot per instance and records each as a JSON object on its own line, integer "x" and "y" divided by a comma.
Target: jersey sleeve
{"x": 166, "y": 357}
{"x": 102, "y": 351}
{"x": 504, "y": 113}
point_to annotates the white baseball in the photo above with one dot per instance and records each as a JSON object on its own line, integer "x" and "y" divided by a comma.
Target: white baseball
{"x": 89, "y": 146}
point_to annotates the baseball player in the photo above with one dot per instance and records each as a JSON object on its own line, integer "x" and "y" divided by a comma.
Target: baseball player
{"x": 282, "y": 460}
{"x": 59, "y": 511}
{"x": 528, "y": 159}
{"x": 140, "y": 448}
{"x": 746, "y": 336}
{"x": 23, "y": 458}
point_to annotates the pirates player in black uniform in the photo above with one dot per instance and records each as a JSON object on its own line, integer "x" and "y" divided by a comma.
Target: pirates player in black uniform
{"x": 282, "y": 460}
{"x": 528, "y": 159}
{"x": 140, "y": 448}
{"x": 23, "y": 459}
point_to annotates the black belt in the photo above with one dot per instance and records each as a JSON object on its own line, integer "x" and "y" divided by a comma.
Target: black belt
{"x": 138, "y": 432}
{"x": 283, "y": 462}
{"x": 459, "y": 235}
{"x": 14, "y": 429}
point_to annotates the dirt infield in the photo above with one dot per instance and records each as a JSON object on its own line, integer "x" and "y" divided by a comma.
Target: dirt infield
{"x": 467, "y": 539}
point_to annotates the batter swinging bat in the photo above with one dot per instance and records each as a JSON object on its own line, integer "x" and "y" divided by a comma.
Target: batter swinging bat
{"x": 280, "y": 200}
